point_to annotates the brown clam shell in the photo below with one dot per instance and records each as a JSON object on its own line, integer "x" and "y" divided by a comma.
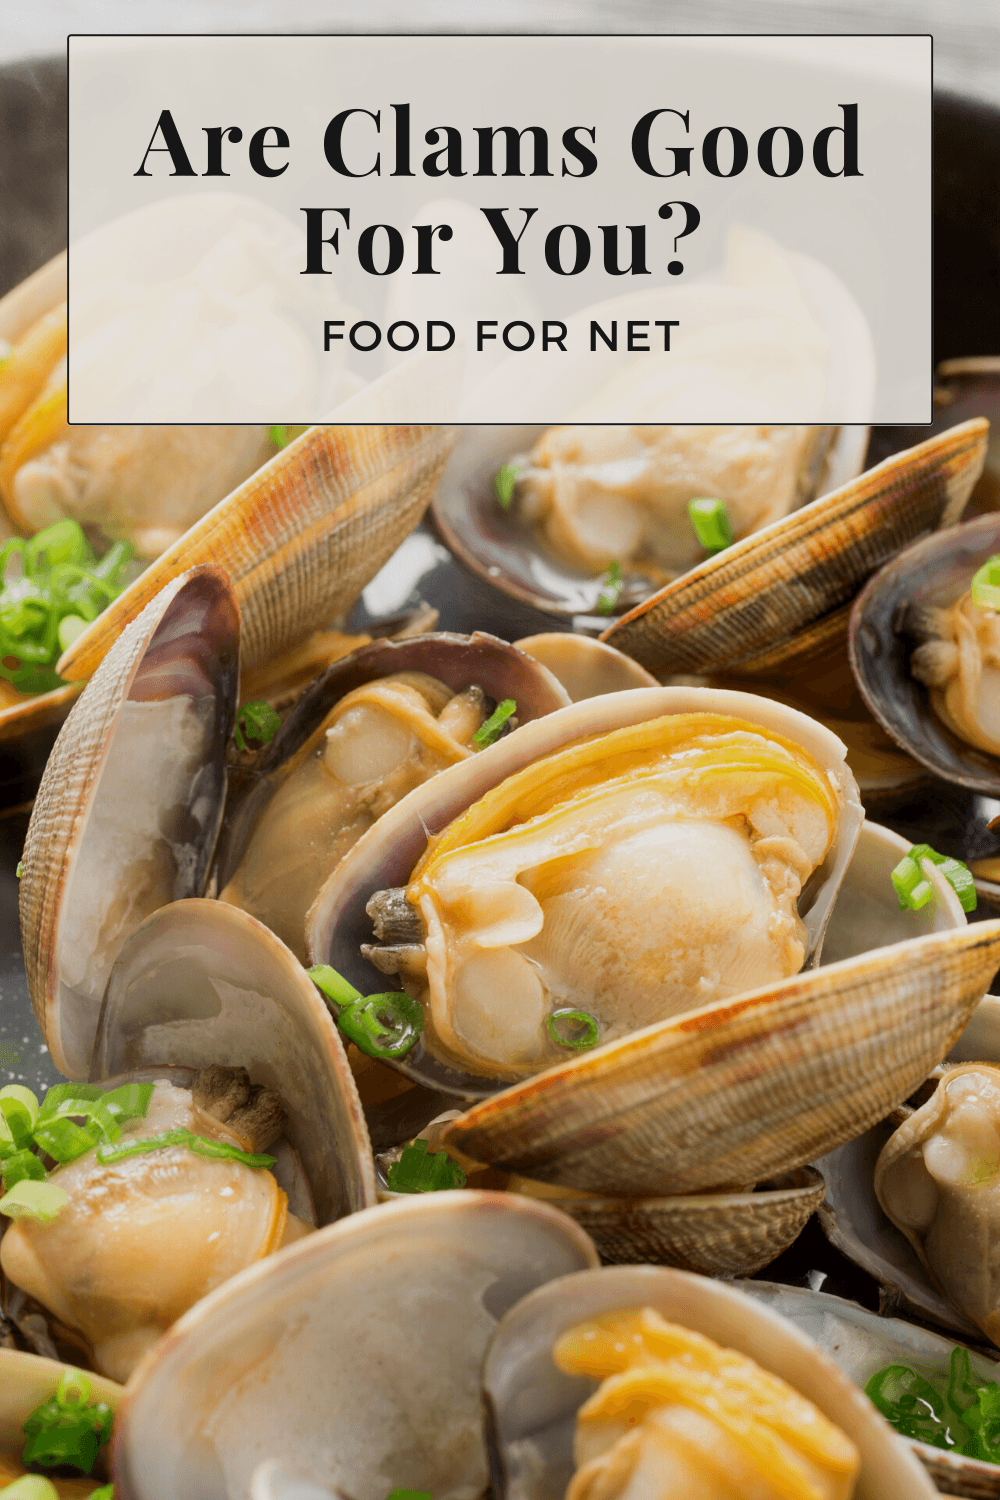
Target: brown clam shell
{"x": 782, "y": 594}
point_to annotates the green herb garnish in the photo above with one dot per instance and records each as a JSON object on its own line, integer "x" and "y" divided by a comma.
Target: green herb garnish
{"x": 573, "y": 1028}
{"x": 256, "y": 721}
{"x": 985, "y": 588}
{"x": 964, "y": 1418}
{"x": 282, "y": 436}
{"x": 399, "y": 1495}
{"x": 32, "y": 1487}
{"x": 106, "y": 1492}
{"x": 20, "y": 869}
{"x": 610, "y": 589}
{"x": 493, "y": 728}
{"x": 58, "y": 588}
{"x": 28, "y": 1199}
{"x": 68, "y": 1428}
{"x": 914, "y": 891}
{"x": 202, "y": 1146}
{"x": 383, "y": 1026}
{"x": 422, "y": 1171}
{"x": 505, "y": 482}
{"x": 711, "y": 523}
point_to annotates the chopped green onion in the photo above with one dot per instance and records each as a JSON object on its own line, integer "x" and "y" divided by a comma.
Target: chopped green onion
{"x": 491, "y": 731}
{"x": 505, "y": 482}
{"x": 130, "y": 1101}
{"x": 383, "y": 1026}
{"x": 68, "y": 1428}
{"x": 31, "y": 1487}
{"x": 711, "y": 523}
{"x": 56, "y": 1096}
{"x": 957, "y": 874}
{"x": 106, "y": 1492}
{"x": 64, "y": 1140}
{"x": 610, "y": 589}
{"x": 20, "y": 869}
{"x": 573, "y": 1028}
{"x": 985, "y": 588}
{"x": 46, "y": 583}
{"x": 33, "y": 1200}
{"x": 27, "y": 1098}
{"x": 399, "y": 1495}
{"x": 108, "y": 1155}
{"x": 256, "y": 721}
{"x": 421, "y": 1171}
{"x": 21, "y": 1166}
{"x": 964, "y": 1418}
{"x": 17, "y": 1122}
{"x": 278, "y": 436}
{"x": 333, "y": 985}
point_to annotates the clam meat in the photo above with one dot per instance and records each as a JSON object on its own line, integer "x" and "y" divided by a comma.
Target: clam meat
{"x": 938, "y": 1180}
{"x": 677, "y": 1415}
{"x": 958, "y": 661}
{"x": 604, "y": 494}
{"x": 143, "y": 1237}
{"x": 618, "y": 881}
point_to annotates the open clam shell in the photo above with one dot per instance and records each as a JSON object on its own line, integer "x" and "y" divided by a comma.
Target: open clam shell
{"x": 934, "y": 572}
{"x": 201, "y": 983}
{"x": 507, "y": 553}
{"x": 861, "y": 1343}
{"x": 853, "y": 1221}
{"x": 26, "y": 1380}
{"x": 585, "y": 667}
{"x": 782, "y": 594}
{"x": 300, "y": 538}
{"x": 742, "y": 1089}
{"x": 718, "y": 1234}
{"x": 531, "y": 1405}
{"x": 351, "y": 1359}
{"x": 128, "y": 810}
{"x": 338, "y": 925}
{"x": 458, "y": 661}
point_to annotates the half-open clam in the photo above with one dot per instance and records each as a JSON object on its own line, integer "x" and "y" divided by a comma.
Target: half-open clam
{"x": 26, "y": 1381}
{"x": 645, "y": 780}
{"x": 350, "y": 1362}
{"x": 532, "y": 1404}
{"x": 782, "y": 595}
{"x": 212, "y": 1010}
{"x": 373, "y": 726}
{"x": 927, "y": 659}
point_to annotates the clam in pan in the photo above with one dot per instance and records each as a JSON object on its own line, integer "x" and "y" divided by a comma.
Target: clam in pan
{"x": 212, "y": 1166}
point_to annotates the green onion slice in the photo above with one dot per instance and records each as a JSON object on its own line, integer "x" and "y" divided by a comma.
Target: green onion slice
{"x": 914, "y": 892}
{"x": 68, "y": 1428}
{"x": 31, "y": 1487}
{"x": 26, "y": 1097}
{"x": 278, "y": 436}
{"x": 963, "y": 1418}
{"x": 985, "y": 588}
{"x": 489, "y": 732}
{"x": 610, "y": 589}
{"x": 106, "y": 1492}
{"x": 573, "y": 1028}
{"x": 20, "y": 869}
{"x": 333, "y": 985}
{"x": 505, "y": 482}
{"x": 16, "y": 1122}
{"x": 33, "y": 1200}
{"x": 711, "y": 523}
{"x": 399, "y": 1495}
{"x": 108, "y": 1155}
{"x": 256, "y": 721}
{"x": 21, "y": 1166}
{"x": 421, "y": 1171}
{"x": 383, "y": 1026}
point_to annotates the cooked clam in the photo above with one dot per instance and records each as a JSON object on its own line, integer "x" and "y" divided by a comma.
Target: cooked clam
{"x": 927, "y": 659}
{"x": 26, "y": 1381}
{"x": 350, "y": 1361}
{"x": 678, "y": 775}
{"x": 154, "y": 1221}
{"x": 539, "y": 1382}
{"x": 376, "y": 724}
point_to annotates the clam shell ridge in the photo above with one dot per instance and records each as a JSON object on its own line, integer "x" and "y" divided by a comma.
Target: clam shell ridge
{"x": 195, "y": 614}
{"x": 531, "y": 1405}
{"x": 741, "y": 1089}
{"x": 300, "y": 538}
{"x": 773, "y": 597}
{"x": 353, "y": 1354}
{"x": 385, "y": 856}
{"x": 935, "y": 571}
{"x": 201, "y": 983}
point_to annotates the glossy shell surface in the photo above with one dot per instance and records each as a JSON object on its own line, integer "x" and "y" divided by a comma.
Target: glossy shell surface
{"x": 531, "y": 1405}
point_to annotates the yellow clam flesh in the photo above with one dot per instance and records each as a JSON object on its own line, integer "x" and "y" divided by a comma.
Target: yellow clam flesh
{"x": 139, "y": 1241}
{"x": 938, "y": 1180}
{"x": 376, "y": 725}
{"x": 959, "y": 662}
{"x": 676, "y": 1414}
{"x": 604, "y": 494}
{"x": 634, "y": 876}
